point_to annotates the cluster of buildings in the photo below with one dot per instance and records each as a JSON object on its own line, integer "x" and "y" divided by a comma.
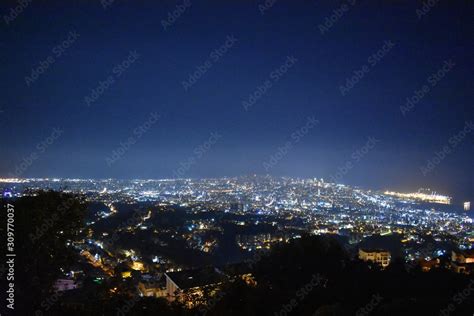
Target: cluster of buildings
{"x": 460, "y": 261}
{"x": 260, "y": 211}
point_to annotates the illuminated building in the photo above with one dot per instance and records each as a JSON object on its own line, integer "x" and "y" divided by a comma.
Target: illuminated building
{"x": 462, "y": 261}
{"x": 151, "y": 289}
{"x": 65, "y": 284}
{"x": 193, "y": 287}
{"x": 378, "y": 256}
{"x": 189, "y": 286}
{"x": 137, "y": 266}
{"x": 467, "y": 206}
{"x": 427, "y": 265}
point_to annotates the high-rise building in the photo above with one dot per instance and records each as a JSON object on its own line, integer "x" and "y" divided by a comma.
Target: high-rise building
{"x": 467, "y": 206}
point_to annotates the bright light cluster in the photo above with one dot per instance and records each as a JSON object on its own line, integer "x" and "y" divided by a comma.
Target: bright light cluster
{"x": 433, "y": 198}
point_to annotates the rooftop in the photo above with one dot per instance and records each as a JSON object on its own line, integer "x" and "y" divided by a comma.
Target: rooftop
{"x": 198, "y": 277}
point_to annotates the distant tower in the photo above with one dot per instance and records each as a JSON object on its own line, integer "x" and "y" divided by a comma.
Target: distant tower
{"x": 467, "y": 206}
{"x": 319, "y": 192}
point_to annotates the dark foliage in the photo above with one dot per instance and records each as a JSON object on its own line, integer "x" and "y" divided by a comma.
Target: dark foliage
{"x": 44, "y": 223}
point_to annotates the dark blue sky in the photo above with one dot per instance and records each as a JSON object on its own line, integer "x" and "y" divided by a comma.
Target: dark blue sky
{"x": 249, "y": 138}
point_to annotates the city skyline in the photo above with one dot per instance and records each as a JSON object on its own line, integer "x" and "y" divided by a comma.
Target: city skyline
{"x": 428, "y": 191}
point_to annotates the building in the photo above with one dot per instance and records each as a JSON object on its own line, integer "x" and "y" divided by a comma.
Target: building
{"x": 462, "y": 261}
{"x": 427, "y": 265}
{"x": 194, "y": 287}
{"x": 65, "y": 285}
{"x": 189, "y": 286}
{"x": 467, "y": 206}
{"x": 126, "y": 274}
{"x": 152, "y": 285}
{"x": 137, "y": 266}
{"x": 151, "y": 289}
{"x": 378, "y": 256}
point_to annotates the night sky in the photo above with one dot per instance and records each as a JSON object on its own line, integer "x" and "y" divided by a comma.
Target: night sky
{"x": 124, "y": 71}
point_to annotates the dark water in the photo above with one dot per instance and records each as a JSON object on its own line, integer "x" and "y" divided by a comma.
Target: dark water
{"x": 453, "y": 208}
